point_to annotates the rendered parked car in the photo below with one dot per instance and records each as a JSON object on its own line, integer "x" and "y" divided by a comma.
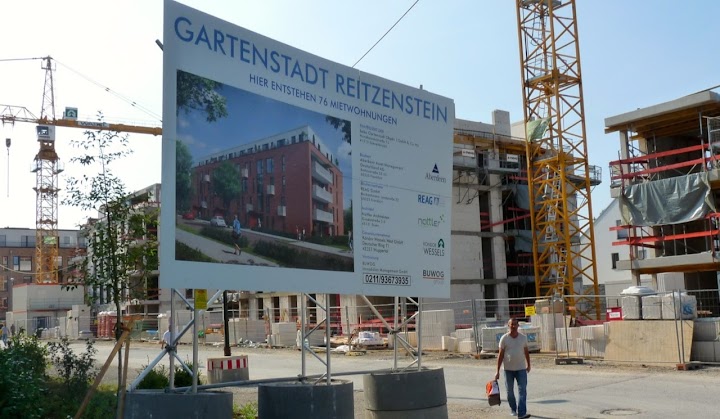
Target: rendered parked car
{"x": 218, "y": 221}
{"x": 190, "y": 215}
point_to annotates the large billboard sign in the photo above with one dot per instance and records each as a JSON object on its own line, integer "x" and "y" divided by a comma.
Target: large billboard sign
{"x": 283, "y": 171}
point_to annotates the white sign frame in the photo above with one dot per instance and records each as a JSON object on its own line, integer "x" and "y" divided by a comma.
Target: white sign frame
{"x": 401, "y": 177}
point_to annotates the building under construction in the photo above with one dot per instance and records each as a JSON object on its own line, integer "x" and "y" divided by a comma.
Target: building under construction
{"x": 667, "y": 181}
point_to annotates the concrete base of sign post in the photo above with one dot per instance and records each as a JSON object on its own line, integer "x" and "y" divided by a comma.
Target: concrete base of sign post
{"x": 141, "y": 404}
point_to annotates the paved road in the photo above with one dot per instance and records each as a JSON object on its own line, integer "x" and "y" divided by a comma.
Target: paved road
{"x": 591, "y": 390}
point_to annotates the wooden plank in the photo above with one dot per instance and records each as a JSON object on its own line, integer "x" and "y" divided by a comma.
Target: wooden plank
{"x": 651, "y": 342}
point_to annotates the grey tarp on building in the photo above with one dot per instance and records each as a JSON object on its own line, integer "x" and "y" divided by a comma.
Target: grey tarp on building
{"x": 667, "y": 201}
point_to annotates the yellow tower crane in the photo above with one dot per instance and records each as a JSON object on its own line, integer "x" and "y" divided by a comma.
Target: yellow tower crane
{"x": 559, "y": 176}
{"x": 47, "y": 167}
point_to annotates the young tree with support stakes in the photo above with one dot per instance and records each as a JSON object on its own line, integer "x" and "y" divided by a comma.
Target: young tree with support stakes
{"x": 122, "y": 252}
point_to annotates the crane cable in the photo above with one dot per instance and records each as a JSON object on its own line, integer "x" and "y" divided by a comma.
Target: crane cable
{"x": 116, "y": 94}
{"x": 107, "y": 89}
{"x": 388, "y": 31}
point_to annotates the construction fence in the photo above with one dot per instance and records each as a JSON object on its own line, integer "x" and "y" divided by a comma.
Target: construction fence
{"x": 676, "y": 328}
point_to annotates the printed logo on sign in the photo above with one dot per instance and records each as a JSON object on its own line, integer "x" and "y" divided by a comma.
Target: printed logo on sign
{"x": 433, "y": 248}
{"x": 435, "y": 175}
{"x": 431, "y": 222}
{"x": 433, "y": 274}
{"x": 431, "y": 200}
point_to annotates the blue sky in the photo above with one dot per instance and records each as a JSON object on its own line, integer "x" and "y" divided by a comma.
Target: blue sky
{"x": 253, "y": 117}
{"x": 634, "y": 53}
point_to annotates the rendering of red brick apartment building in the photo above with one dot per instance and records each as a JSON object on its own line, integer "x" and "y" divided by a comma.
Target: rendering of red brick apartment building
{"x": 290, "y": 181}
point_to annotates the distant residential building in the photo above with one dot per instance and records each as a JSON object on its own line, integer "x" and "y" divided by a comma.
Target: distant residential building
{"x": 290, "y": 182}
{"x": 18, "y": 264}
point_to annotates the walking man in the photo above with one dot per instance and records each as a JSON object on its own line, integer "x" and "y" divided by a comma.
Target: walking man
{"x": 236, "y": 235}
{"x": 515, "y": 358}
{"x": 4, "y": 334}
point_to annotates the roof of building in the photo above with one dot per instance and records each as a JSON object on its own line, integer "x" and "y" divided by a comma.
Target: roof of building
{"x": 676, "y": 117}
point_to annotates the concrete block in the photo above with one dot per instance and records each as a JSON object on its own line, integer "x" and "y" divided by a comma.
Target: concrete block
{"x": 156, "y": 404}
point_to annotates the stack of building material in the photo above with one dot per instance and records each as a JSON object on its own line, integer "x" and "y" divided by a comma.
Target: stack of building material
{"x": 465, "y": 341}
{"x": 565, "y": 338}
{"x": 706, "y": 340}
{"x": 317, "y": 338}
{"x": 591, "y": 342}
{"x": 533, "y": 336}
{"x": 545, "y": 306}
{"x": 679, "y": 306}
{"x": 283, "y": 334}
{"x": 651, "y": 307}
{"x": 631, "y": 307}
{"x": 246, "y": 329}
{"x": 449, "y": 343}
{"x": 491, "y": 338}
{"x": 547, "y": 323}
{"x": 435, "y": 325}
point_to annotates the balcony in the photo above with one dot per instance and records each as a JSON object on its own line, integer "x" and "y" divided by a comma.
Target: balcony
{"x": 323, "y": 216}
{"x": 320, "y": 194}
{"x": 244, "y": 173}
{"x": 248, "y": 207}
{"x": 282, "y": 211}
{"x": 270, "y": 189}
{"x": 206, "y": 178}
{"x": 321, "y": 174}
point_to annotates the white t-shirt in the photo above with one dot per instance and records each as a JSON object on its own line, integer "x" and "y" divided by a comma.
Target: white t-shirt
{"x": 514, "y": 359}
{"x": 166, "y": 337}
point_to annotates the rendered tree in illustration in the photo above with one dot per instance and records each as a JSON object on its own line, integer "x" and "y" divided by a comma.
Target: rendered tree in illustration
{"x": 183, "y": 173}
{"x": 200, "y": 94}
{"x": 226, "y": 183}
{"x": 341, "y": 124}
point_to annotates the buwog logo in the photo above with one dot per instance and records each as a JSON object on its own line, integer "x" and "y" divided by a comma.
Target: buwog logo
{"x": 433, "y": 274}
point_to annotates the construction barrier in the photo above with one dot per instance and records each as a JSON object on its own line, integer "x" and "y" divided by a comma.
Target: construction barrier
{"x": 228, "y": 369}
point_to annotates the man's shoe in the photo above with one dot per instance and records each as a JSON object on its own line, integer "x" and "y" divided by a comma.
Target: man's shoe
{"x": 513, "y": 413}
{"x": 525, "y": 416}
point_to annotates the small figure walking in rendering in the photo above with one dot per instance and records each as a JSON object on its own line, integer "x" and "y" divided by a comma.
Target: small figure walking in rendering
{"x": 236, "y": 233}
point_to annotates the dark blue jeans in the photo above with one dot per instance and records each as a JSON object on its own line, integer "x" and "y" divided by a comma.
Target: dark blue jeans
{"x": 521, "y": 377}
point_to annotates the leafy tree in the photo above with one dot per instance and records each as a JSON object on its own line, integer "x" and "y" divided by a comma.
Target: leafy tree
{"x": 116, "y": 259}
{"x": 341, "y": 124}
{"x": 226, "y": 183}
{"x": 200, "y": 94}
{"x": 183, "y": 170}
{"x": 348, "y": 218}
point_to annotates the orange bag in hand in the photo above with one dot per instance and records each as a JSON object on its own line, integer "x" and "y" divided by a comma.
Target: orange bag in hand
{"x": 492, "y": 389}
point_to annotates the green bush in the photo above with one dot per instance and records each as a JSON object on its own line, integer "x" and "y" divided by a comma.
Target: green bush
{"x": 23, "y": 378}
{"x": 103, "y": 403}
{"x": 288, "y": 256}
{"x": 247, "y": 411}
{"x": 75, "y": 371}
{"x": 157, "y": 378}
{"x": 184, "y": 378}
{"x": 223, "y": 235}
{"x": 185, "y": 252}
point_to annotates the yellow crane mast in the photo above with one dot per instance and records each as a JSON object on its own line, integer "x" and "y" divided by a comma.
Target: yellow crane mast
{"x": 47, "y": 167}
{"x": 559, "y": 176}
